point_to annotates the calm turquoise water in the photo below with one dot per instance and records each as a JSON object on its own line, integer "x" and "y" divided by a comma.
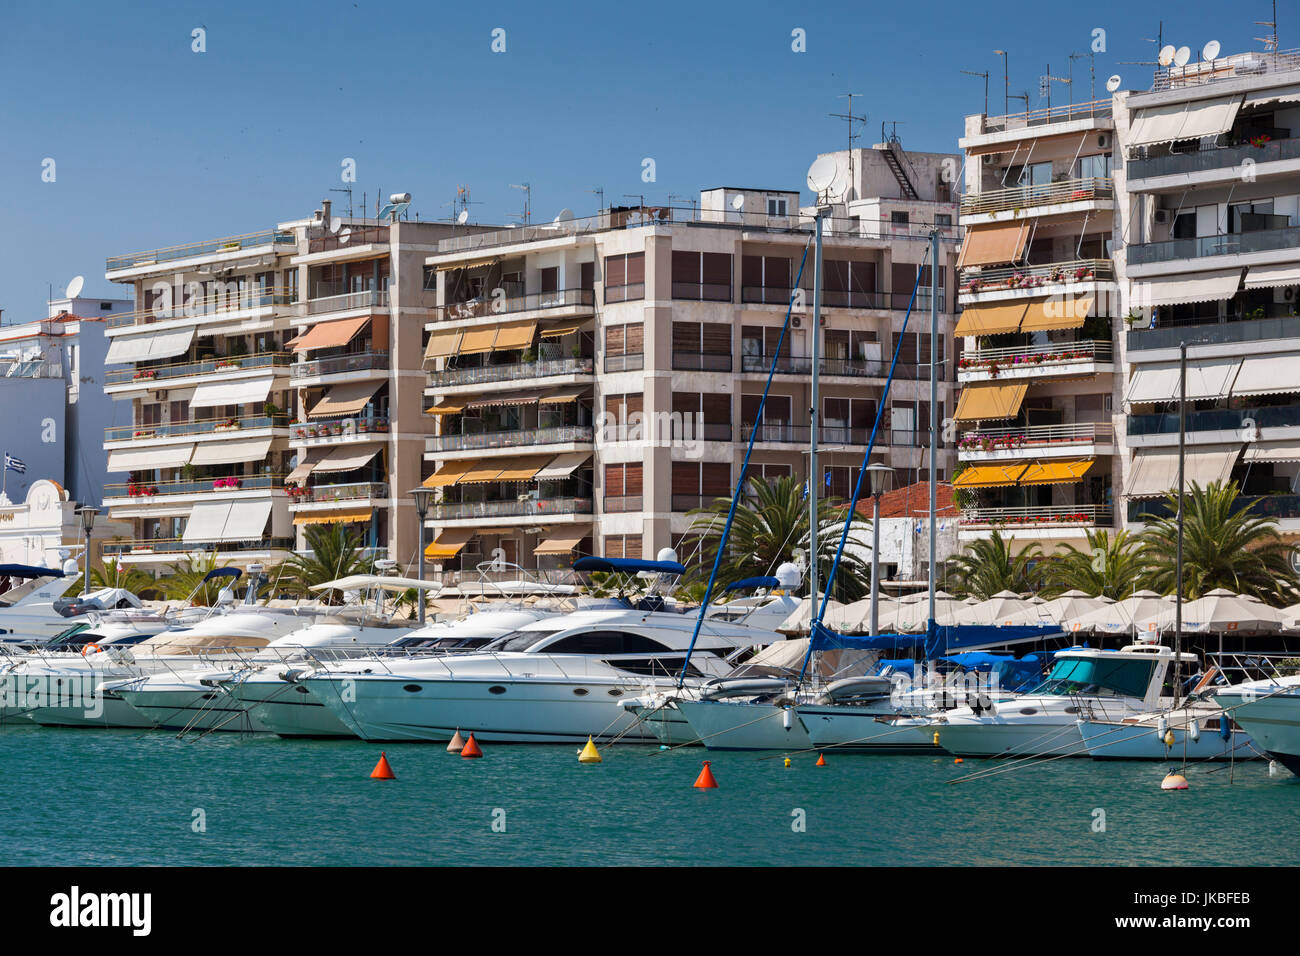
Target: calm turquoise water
{"x": 127, "y": 797}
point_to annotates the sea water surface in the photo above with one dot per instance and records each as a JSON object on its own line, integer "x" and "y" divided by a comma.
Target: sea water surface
{"x": 125, "y": 797}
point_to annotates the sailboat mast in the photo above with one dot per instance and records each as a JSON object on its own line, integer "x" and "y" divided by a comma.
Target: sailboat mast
{"x": 814, "y": 475}
{"x": 1178, "y": 572}
{"x": 934, "y": 403}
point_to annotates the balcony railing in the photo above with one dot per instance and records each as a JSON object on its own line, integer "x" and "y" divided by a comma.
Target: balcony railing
{"x": 1203, "y": 160}
{"x": 1250, "y": 64}
{"x": 349, "y": 237}
{"x": 235, "y": 300}
{"x": 528, "y": 507}
{"x": 532, "y": 302}
{"x": 207, "y": 247}
{"x": 631, "y": 362}
{"x": 1230, "y": 244}
{"x": 1025, "y": 197}
{"x": 1215, "y": 419}
{"x": 621, "y": 504}
{"x": 347, "y": 301}
{"x": 206, "y": 486}
{"x": 358, "y": 362}
{"x": 1035, "y": 436}
{"x": 852, "y": 368}
{"x": 232, "y": 363}
{"x": 561, "y": 434}
{"x": 631, "y": 292}
{"x": 143, "y": 432}
{"x": 1036, "y": 516}
{"x": 702, "y": 361}
{"x": 340, "y": 428}
{"x": 1063, "y": 113}
{"x": 682, "y": 503}
{"x": 1031, "y": 277}
{"x": 1261, "y": 506}
{"x": 702, "y": 291}
{"x": 179, "y": 546}
{"x": 513, "y": 372}
{"x": 1023, "y": 358}
{"x": 1213, "y": 331}
{"x": 322, "y": 494}
{"x": 830, "y": 435}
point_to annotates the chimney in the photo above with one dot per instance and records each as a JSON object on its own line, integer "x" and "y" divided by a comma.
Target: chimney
{"x": 325, "y": 212}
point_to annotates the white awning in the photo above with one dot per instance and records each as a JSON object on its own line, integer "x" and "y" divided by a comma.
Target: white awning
{"x": 207, "y": 521}
{"x": 1152, "y": 383}
{"x": 1283, "y": 94}
{"x": 167, "y": 456}
{"x": 1268, "y": 375}
{"x": 1272, "y": 451}
{"x": 247, "y": 520}
{"x": 562, "y": 466}
{"x": 231, "y": 452}
{"x": 1206, "y": 378}
{"x": 348, "y": 457}
{"x": 1185, "y": 120}
{"x": 1194, "y": 287}
{"x": 142, "y": 348}
{"x": 245, "y": 391}
{"x": 1155, "y": 471}
{"x": 1271, "y": 277}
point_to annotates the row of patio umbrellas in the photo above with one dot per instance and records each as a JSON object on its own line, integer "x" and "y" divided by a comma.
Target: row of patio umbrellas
{"x": 1144, "y": 612}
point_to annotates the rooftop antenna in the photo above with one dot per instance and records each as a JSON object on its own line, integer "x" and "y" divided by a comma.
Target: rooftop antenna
{"x": 463, "y": 201}
{"x": 1006, "y": 82}
{"x": 527, "y": 217}
{"x": 74, "y": 288}
{"x": 985, "y": 75}
{"x": 1270, "y": 41}
{"x": 599, "y": 193}
{"x": 1159, "y": 41}
{"x": 849, "y": 120}
{"x": 344, "y": 189}
{"x": 1092, "y": 75}
{"x": 1045, "y": 86}
{"x": 1023, "y": 97}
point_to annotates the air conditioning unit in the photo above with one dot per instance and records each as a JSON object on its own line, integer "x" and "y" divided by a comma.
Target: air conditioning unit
{"x": 990, "y": 159}
{"x": 796, "y": 322}
{"x": 160, "y": 396}
{"x": 1284, "y": 294}
{"x": 1103, "y": 140}
{"x": 1163, "y": 216}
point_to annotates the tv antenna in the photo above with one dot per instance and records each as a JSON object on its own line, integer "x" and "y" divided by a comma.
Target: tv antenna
{"x": 344, "y": 189}
{"x": 1270, "y": 41}
{"x": 1006, "y": 82}
{"x": 1159, "y": 41}
{"x": 527, "y": 216}
{"x": 461, "y": 202}
{"x": 599, "y": 193}
{"x": 1045, "y": 87}
{"x": 1092, "y": 75}
{"x": 849, "y": 120}
{"x": 985, "y": 75}
{"x": 1023, "y": 97}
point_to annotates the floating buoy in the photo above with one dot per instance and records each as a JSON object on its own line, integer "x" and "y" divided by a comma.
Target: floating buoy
{"x": 589, "y": 753}
{"x": 457, "y": 744}
{"x": 471, "y": 748}
{"x": 821, "y": 760}
{"x": 958, "y": 760}
{"x": 936, "y": 738}
{"x": 705, "y": 780}
{"x": 1275, "y": 769}
{"x": 663, "y": 746}
{"x": 1174, "y": 781}
{"x": 382, "y": 771}
{"x": 787, "y": 761}
{"x": 1169, "y": 738}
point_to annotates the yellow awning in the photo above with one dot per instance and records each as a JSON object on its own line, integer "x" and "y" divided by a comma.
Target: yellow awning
{"x": 332, "y": 517}
{"x": 502, "y": 398}
{"x": 1056, "y": 472}
{"x": 442, "y": 344}
{"x": 1058, "y": 312}
{"x": 562, "y": 542}
{"x": 450, "y": 473}
{"x": 344, "y": 399}
{"x": 449, "y": 406}
{"x": 988, "y": 476}
{"x": 517, "y": 335}
{"x": 991, "y": 319}
{"x": 483, "y": 471}
{"x": 477, "y": 340}
{"x": 524, "y": 469}
{"x": 989, "y": 400}
{"x": 471, "y": 264}
{"x": 449, "y": 543}
{"x": 996, "y": 244}
{"x": 557, "y": 331}
{"x": 328, "y": 335}
{"x": 563, "y": 396}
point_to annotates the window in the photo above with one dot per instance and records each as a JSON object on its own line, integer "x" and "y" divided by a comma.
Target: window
{"x": 619, "y": 412}
{"x": 776, "y": 206}
{"x": 702, "y": 276}
{"x": 625, "y": 277}
{"x": 776, "y": 419}
{"x": 605, "y": 642}
{"x": 430, "y": 282}
{"x": 1093, "y": 167}
{"x": 705, "y": 416}
{"x": 587, "y": 275}
{"x": 623, "y": 487}
{"x": 178, "y": 412}
{"x": 898, "y": 217}
{"x": 549, "y": 279}
{"x": 702, "y": 346}
{"x": 519, "y": 640}
{"x": 622, "y": 546}
{"x": 765, "y": 279}
{"x": 845, "y": 284}
{"x": 624, "y": 345}
{"x": 1184, "y": 226}
{"x": 943, "y": 219}
{"x": 696, "y": 484}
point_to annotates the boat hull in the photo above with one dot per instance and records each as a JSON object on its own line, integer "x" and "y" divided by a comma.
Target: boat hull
{"x": 1106, "y": 740}
{"x": 743, "y": 725}
{"x": 185, "y": 709}
{"x": 990, "y": 738}
{"x": 1273, "y": 722}
{"x": 857, "y": 730}
{"x": 287, "y": 710}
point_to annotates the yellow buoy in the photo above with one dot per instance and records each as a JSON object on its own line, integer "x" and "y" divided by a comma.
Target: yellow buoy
{"x": 936, "y": 738}
{"x": 787, "y": 761}
{"x": 1169, "y": 738}
{"x": 589, "y": 753}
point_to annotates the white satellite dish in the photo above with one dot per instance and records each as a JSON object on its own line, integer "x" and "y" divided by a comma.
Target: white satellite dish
{"x": 1166, "y": 56}
{"x": 1113, "y": 83}
{"x": 463, "y": 217}
{"x": 1211, "y": 50}
{"x": 74, "y": 287}
{"x": 738, "y": 202}
{"x": 822, "y": 173}
{"x": 564, "y": 215}
{"x": 344, "y": 236}
{"x": 336, "y": 223}
{"x": 1182, "y": 56}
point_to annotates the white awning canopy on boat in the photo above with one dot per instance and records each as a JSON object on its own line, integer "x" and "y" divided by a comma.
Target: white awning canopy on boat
{"x": 362, "y": 582}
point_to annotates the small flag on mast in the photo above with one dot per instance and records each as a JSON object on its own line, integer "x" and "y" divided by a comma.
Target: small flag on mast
{"x": 15, "y": 464}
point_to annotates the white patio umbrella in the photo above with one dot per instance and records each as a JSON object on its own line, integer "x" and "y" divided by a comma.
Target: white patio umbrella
{"x": 800, "y": 621}
{"x": 855, "y": 618}
{"x": 914, "y": 609}
{"x": 1064, "y": 610}
{"x": 1001, "y": 608}
{"x": 1216, "y": 612}
{"x": 1119, "y": 618}
{"x": 1291, "y": 615}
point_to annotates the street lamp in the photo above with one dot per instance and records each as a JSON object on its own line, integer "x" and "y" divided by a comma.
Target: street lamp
{"x": 879, "y": 476}
{"x": 422, "y": 497}
{"x": 87, "y": 514}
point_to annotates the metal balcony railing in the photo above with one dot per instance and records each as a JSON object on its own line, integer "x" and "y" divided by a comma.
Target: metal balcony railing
{"x": 340, "y": 428}
{"x": 1037, "y": 515}
{"x": 702, "y": 291}
{"x": 1261, "y": 506}
{"x": 221, "y": 303}
{"x": 357, "y": 362}
{"x": 561, "y": 434}
{"x": 629, "y": 292}
{"x": 1017, "y": 358}
{"x": 1030, "y": 277}
{"x": 349, "y": 237}
{"x": 532, "y": 302}
{"x": 851, "y": 368}
{"x": 1213, "y": 331}
{"x": 1035, "y": 436}
{"x": 321, "y": 494}
{"x": 143, "y": 432}
{"x": 831, "y": 435}
{"x": 1230, "y": 244}
{"x": 272, "y": 237}
{"x": 1027, "y": 197}
{"x": 512, "y": 372}
{"x": 1064, "y": 113}
{"x": 630, "y": 362}
{"x": 206, "y": 486}
{"x": 527, "y": 507}
{"x": 212, "y": 366}
{"x": 1225, "y": 67}
{"x": 1215, "y": 419}
{"x": 347, "y": 301}
{"x": 180, "y": 546}
{"x": 1212, "y": 158}
{"x": 702, "y": 361}
{"x": 621, "y": 504}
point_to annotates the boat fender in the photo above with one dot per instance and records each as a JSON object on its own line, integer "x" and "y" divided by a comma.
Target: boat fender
{"x": 1225, "y": 726}
{"x": 787, "y": 718}
{"x": 1162, "y": 727}
{"x": 1194, "y": 731}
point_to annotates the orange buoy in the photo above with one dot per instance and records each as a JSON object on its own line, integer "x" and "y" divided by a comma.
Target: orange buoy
{"x": 471, "y": 748}
{"x": 1174, "y": 781}
{"x": 457, "y": 744}
{"x": 958, "y": 760}
{"x": 705, "y": 780}
{"x": 821, "y": 760}
{"x": 382, "y": 771}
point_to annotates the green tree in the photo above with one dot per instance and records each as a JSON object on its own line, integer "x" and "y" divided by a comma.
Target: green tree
{"x": 333, "y": 551}
{"x": 113, "y": 575}
{"x": 987, "y": 566}
{"x": 185, "y": 579}
{"x": 771, "y": 522}
{"x": 1112, "y": 566}
{"x": 1223, "y": 547}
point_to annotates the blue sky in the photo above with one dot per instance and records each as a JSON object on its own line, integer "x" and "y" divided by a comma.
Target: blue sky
{"x": 156, "y": 145}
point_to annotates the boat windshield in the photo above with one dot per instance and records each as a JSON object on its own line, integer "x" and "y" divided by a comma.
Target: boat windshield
{"x": 519, "y": 640}
{"x": 1098, "y": 677}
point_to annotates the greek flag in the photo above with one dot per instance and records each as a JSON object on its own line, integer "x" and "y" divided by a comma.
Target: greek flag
{"x": 15, "y": 464}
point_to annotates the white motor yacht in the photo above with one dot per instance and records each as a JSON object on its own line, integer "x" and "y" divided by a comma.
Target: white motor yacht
{"x": 1268, "y": 710}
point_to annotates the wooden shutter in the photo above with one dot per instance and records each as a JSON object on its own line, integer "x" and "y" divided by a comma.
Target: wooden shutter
{"x": 615, "y": 270}
{"x": 632, "y": 546}
{"x": 835, "y": 274}
{"x": 635, "y": 403}
{"x": 635, "y": 268}
{"x": 686, "y": 478}
{"x": 686, "y": 337}
{"x": 614, "y": 481}
{"x": 862, "y": 277}
{"x": 716, "y": 407}
{"x": 715, "y": 338}
{"x": 635, "y": 339}
{"x": 686, "y": 266}
{"x": 751, "y": 271}
{"x": 615, "y": 339}
{"x": 632, "y": 473}
{"x": 715, "y": 268}
{"x": 715, "y": 479}
{"x": 550, "y": 279}
{"x": 776, "y": 272}
{"x": 587, "y": 275}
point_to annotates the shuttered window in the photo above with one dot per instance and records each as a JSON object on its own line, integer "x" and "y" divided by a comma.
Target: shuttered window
{"x": 702, "y": 276}
{"x": 625, "y": 277}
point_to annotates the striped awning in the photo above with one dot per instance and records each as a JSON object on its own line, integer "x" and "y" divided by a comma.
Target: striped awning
{"x": 563, "y": 542}
{"x": 1057, "y": 312}
{"x": 989, "y": 476}
{"x": 993, "y": 319}
{"x": 1056, "y": 472}
{"x": 450, "y": 473}
{"x": 333, "y": 517}
{"x": 449, "y": 543}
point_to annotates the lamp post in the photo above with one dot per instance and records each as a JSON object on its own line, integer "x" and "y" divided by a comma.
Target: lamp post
{"x": 879, "y": 476}
{"x": 87, "y": 514}
{"x": 422, "y": 498}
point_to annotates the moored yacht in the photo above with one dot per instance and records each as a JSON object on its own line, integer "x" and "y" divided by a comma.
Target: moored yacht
{"x": 1268, "y": 710}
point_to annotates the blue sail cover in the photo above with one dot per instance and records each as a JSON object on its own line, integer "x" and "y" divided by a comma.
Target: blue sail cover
{"x": 627, "y": 565}
{"x": 754, "y": 583}
{"x": 222, "y": 573}
{"x": 28, "y": 571}
{"x": 938, "y": 641}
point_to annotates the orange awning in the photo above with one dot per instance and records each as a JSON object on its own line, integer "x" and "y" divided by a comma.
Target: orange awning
{"x": 332, "y": 517}
{"x": 1057, "y": 312}
{"x": 989, "y": 400}
{"x": 1056, "y": 472}
{"x": 483, "y": 471}
{"x": 477, "y": 340}
{"x": 330, "y": 335}
{"x": 994, "y": 319}
{"x": 997, "y": 244}
{"x": 563, "y": 542}
{"x": 516, "y": 335}
{"x": 442, "y": 344}
{"x": 524, "y": 469}
{"x": 449, "y": 543}
{"x": 450, "y": 473}
{"x": 988, "y": 476}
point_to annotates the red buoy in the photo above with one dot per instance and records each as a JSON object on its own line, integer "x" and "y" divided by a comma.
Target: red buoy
{"x": 705, "y": 780}
{"x": 382, "y": 771}
{"x": 471, "y": 748}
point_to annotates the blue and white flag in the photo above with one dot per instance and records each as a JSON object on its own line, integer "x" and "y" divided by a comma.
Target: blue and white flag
{"x": 15, "y": 464}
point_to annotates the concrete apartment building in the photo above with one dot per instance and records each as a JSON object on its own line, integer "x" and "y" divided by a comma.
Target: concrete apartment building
{"x": 265, "y": 373}
{"x": 593, "y": 380}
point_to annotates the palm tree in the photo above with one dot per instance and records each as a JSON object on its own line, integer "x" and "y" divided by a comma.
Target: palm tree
{"x": 333, "y": 551}
{"x": 113, "y": 575}
{"x": 1112, "y": 566}
{"x": 186, "y": 581}
{"x": 1223, "y": 547}
{"x": 771, "y": 522}
{"x": 987, "y": 566}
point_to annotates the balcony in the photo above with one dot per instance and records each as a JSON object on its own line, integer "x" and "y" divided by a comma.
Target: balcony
{"x": 1027, "y": 278}
{"x": 831, "y": 435}
{"x": 574, "y": 300}
{"x": 349, "y": 237}
{"x": 177, "y": 546}
{"x": 844, "y": 299}
{"x": 306, "y": 496}
{"x": 513, "y": 372}
{"x": 272, "y": 237}
{"x": 145, "y": 377}
{"x": 1064, "y": 113}
{"x": 1030, "y": 197}
{"x": 220, "y": 304}
{"x": 348, "y": 301}
{"x": 631, "y": 292}
{"x": 1037, "y": 440}
{"x": 1036, "y": 516}
{"x": 702, "y": 291}
{"x": 556, "y": 435}
{"x": 339, "y": 431}
{"x": 1215, "y": 419}
{"x": 340, "y": 365}
{"x": 1229, "y": 160}
{"x": 849, "y": 368}
{"x": 525, "y": 508}
{"x": 1280, "y": 507}
{"x": 1215, "y": 332}
{"x": 1037, "y": 361}
{"x": 702, "y": 361}
{"x": 1231, "y": 244}
{"x": 233, "y": 426}
{"x": 622, "y": 504}
{"x": 118, "y": 493}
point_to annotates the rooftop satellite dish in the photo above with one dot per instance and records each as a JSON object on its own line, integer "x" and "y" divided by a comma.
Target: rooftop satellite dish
{"x": 1182, "y": 56}
{"x": 344, "y": 236}
{"x": 821, "y": 174}
{"x": 74, "y": 287}
{"x": 1113, "y": 83}
{"x": 738, "y": 202}
{"x": 463, "y": 217}
{"x": 1211, "y": 50}
{"x": 564, "y": 215}
{"x": 1166, "y": 56}
{"x": 336, "y": 223}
